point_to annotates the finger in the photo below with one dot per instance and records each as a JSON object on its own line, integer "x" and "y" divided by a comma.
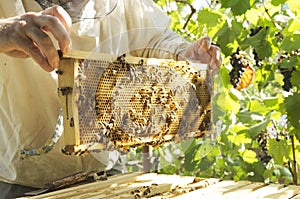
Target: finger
{"x": 204, "y": 43}
{"x": 61, "y": 14}
{"x": 215, "y": 53}
{"x": 17, "y": 53}
{"x": 44, "y": 43}
{"x": 27, "y": 46}
{"x": 55, "y": 26}
{"x": 215, "y": 61}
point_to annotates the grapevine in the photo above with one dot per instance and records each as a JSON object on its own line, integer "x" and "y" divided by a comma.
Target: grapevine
{"x": 251, "y": 34}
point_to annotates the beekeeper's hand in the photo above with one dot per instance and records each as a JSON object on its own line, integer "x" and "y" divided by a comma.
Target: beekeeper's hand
{"x": 26, "y": 36}
{"x": 203, "y": 51}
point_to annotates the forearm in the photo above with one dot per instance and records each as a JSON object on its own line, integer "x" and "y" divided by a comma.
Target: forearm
{"x": 167, "y": 45}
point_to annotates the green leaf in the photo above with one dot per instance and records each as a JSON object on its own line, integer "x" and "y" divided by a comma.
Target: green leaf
{"x": 205, "y": 163}
{"x": 238, "y": 7}
{"x": 231, "y": 162}
{"x": 291, "y": 42}
{"x": 278, "y": 150}
{"x": 209, "y": 17}
{"x": 260, "y": 43}
{"x": 258, "y": 171}
{"x": 238, "y": 128}
{"x": 268, "y": 174}
{"x": 295, "y": 79}
{"x": 239, "y": 139}
{"x": 273, "y": 103}
{"x": 218, "y": 110}
{"x": 252, "y": 16}
{"x": 278, "y": 2}
{"x": 289, "y": 63}
{"x": 292, "y": 103}
{"x": 223, "y": 78}
{"x": 293, "y": 131}
{"x": 259, "y": 127}
{"x": 244, "y": 116}
{"x": 249, "y": 156}
{"x": 203, "y": 151}
{"x": 238, "y": 135}
{"x": 224, "y": 101}
{"x": 258, "y": 107}
{"x": 229, "y": 32}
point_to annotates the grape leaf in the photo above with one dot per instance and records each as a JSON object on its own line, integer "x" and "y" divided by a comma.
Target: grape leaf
{"x": 228, "y": 34}
{"x": 245, "y": 116}
{"x": 291, "y": 42}
{"x": 289, "y": 63}
{"x": 273, "y": 103}
{"x": 278, "y": 2}
{"x": 258, "y": 107}
{"x": 203, "y": 151}
{"x": 291, "y": 104}
{"x": 260, "y": 43}
{"x": 249, "y": 156}
{"x": 238, "y": 7}
{"x": 209, "y": 17}
{"x": 278, "y": 150}
{"x": 240, "y": 138}
{"x": 257, "y": 128}
{"x": 223, "y": 100}
{"x": 295, "y": 79}
{"x": 205, "y": 163}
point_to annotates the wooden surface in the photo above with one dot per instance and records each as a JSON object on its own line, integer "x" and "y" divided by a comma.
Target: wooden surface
{"x": 159, "y": 186}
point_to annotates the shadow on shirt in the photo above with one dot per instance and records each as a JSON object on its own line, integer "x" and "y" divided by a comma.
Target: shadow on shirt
{"x": 10, "y": 191}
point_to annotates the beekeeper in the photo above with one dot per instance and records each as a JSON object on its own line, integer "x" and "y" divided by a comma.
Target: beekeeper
{"x": 29, "y": 105}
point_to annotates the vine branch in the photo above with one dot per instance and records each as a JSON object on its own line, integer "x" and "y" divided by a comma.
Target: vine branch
{"x": 193, "y": 10}
{"x": 295, "y": 178}
{"x": 267, "y": 12}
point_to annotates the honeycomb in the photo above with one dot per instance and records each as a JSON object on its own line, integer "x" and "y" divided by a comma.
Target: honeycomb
{"x": 123, "y": 103}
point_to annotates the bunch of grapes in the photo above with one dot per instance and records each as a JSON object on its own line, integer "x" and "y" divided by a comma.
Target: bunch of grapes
{"x": 287, "y": 71}
{"x": 262, "y": 139}
{"x": 278, "y": 131}
{"x": 287, "y": 74}
{"x": 242, "y": 72}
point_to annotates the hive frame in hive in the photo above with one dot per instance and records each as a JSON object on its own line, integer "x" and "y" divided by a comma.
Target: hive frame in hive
{"x": 87, "y": 130}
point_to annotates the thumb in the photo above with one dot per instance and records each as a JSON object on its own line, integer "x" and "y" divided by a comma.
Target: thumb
{"x": 204, "y": 44}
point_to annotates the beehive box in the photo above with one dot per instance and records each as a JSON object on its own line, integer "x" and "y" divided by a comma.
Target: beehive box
{"x": 160, "y": 186}
{"x": 113, "y": 103}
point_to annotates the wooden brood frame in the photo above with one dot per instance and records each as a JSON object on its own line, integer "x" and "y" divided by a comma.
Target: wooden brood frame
{"x": 129, "y": 101}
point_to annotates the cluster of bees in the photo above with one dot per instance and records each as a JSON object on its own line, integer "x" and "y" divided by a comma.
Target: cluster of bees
{"x": 136, "y": 104}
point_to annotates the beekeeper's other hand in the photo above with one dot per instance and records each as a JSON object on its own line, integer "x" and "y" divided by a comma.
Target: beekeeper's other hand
{"x": 203, "y": 51}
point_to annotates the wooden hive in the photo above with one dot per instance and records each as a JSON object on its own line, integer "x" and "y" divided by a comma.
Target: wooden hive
{"x": 160, "y": 186}
{"x": 114, "y": 102}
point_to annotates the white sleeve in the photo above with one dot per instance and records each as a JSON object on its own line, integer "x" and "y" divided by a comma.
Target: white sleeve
{"x": 149, "y": 32}
{"x": 11, "y": 8}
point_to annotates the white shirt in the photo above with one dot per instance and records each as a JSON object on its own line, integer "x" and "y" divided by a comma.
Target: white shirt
{"x": 29, "y": 104}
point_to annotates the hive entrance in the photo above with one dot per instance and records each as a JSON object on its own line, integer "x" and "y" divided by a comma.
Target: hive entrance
{"x": 125, "y": 102}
